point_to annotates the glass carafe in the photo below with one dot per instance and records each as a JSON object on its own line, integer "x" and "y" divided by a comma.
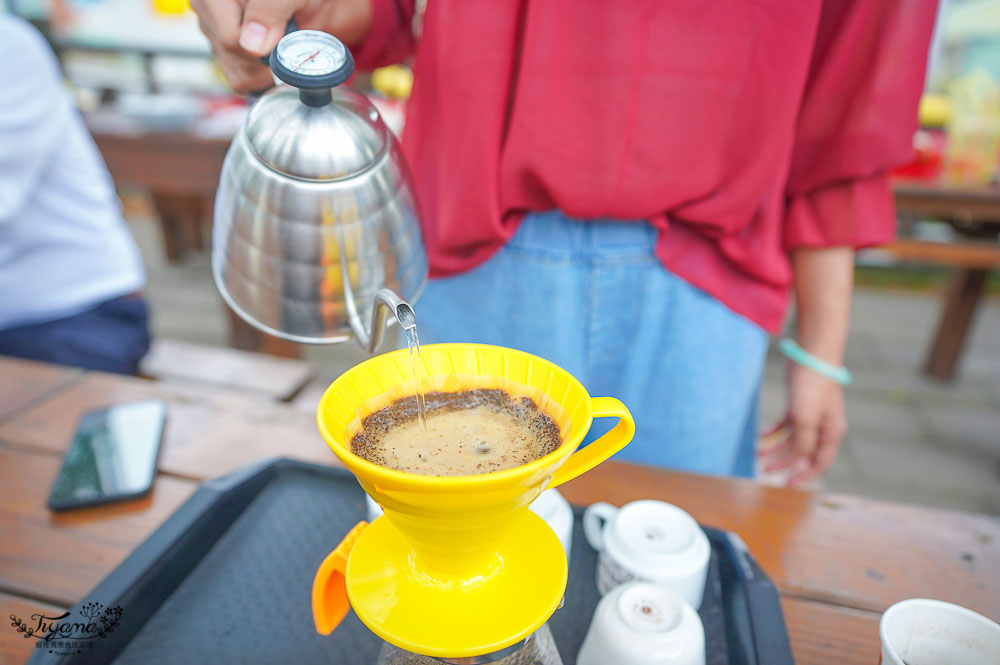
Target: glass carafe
{"x": 539, "y": 649}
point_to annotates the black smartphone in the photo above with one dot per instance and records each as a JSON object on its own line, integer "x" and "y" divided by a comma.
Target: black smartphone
{"x": 112, "y": 456}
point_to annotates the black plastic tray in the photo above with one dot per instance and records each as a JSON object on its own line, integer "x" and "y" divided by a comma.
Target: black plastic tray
{"x": 228, "y": 579}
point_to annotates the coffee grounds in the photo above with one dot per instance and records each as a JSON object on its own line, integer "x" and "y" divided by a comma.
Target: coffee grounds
{"x": 536, "y": 424}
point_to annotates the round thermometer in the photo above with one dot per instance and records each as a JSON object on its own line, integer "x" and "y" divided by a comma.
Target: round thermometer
{"x": 311, "y": 60}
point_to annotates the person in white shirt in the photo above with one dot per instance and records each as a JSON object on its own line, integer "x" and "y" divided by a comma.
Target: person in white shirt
{"x": 70, "y": 271}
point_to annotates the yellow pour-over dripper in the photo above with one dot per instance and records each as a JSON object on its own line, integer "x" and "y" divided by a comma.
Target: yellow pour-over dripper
{"x": 458, "y": 566}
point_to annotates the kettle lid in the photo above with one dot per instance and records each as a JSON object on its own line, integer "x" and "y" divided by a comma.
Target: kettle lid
{"x": 307, "y": 129}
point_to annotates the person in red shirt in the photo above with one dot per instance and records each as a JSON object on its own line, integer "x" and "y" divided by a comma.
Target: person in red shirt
{"x": 633, "y": 188}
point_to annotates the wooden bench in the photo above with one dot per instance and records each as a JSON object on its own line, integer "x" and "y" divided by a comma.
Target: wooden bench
{"x": 174, "y": 361}
{"x": 974, "y": 255}
{"x": 973, "y": 262}
{"x": 974, "y": 212}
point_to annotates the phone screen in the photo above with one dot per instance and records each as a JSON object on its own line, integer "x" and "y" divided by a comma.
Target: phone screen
{"x": 112, "y": 456}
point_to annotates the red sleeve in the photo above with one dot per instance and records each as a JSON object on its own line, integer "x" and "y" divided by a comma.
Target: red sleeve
{"x": 856, "y": 121}
{"x": 390, "y": 38}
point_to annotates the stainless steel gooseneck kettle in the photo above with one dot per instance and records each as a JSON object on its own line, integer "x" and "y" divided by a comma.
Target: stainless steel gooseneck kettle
{"x": 316, "y": 225}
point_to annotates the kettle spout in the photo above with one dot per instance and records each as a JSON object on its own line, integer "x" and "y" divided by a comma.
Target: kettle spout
{"x": 386, "y": 301}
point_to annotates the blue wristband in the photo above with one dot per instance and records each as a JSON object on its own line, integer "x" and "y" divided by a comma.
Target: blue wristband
{"x": 797, "y": 354}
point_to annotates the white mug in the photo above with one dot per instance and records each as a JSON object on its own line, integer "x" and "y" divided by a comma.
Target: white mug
{"x": 639, "y": 623}
{"x": 652, "y": 541}
{"x": 550, "y": 505}
{"x": 920, "y": 631}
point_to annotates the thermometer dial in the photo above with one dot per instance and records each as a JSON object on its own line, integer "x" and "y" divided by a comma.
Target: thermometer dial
{"x": 311, "y": 59}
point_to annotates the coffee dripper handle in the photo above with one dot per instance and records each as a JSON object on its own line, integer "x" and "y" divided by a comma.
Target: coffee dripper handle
{"x": 587, "y": 458}
{"x": 329, "y": 593}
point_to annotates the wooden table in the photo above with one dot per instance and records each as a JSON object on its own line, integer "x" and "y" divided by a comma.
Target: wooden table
{"x": 274, "y": 378}
{"x": 975, "y": 214}
{"x": 838, "y": 560}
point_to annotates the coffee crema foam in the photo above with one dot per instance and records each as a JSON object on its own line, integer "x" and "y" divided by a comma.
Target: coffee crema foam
{"x": 469, "y": 432}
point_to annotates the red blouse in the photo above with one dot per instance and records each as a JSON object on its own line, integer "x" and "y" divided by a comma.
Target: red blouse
{"x": 739, "y": 128}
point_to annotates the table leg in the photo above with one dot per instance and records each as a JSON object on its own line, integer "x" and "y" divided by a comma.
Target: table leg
{"x": 170, "y": 227}
{"x": 181, "y": 222}
{"x": 201, "y": 221}
{"x": 957, "y": 313}
{"x": 247, "y": 338}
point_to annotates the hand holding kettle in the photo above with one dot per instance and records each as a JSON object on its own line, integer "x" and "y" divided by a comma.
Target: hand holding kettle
{"x": 242, "y": 31}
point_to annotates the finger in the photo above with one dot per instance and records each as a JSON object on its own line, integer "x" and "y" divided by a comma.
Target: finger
{"x": 246, "y": 78}
{"x": 805, "y": 432}
{"x": 800, "y": 468}
{"x": 220, "y": 21}
{"x": 264, "y": 23}
{"x": 782, "y": 464}
{"x": 831, "y": 434}
{"x": 807, "y": 473}
{"x": 784, "y": 448}
{"x": 828, "y": 443}
{"x": 776, "y": 427}
{"x": 777, "y": 436}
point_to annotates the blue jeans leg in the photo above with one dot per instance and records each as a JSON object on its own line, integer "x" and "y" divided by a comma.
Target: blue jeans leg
{"x": 111, "y": 337}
